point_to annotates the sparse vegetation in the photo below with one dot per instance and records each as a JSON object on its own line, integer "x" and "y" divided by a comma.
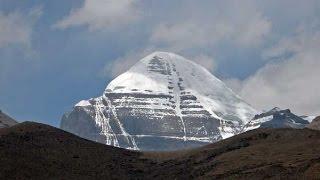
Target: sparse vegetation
{"x": 37, "y": 151}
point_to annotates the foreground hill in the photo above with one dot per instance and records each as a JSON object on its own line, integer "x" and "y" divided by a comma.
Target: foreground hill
{"x": 36, "y": 151}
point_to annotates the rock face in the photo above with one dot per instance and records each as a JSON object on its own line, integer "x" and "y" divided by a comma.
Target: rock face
{"x": 164, "y": 102}
{"x": 277, "y": 118}
{"x": 315, "y": 124}
{"x": 6, "y": 121}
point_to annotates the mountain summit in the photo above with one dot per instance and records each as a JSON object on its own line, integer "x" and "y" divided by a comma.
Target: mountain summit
{"x": 277, "y": 118}
{"x": 163, "y": 102}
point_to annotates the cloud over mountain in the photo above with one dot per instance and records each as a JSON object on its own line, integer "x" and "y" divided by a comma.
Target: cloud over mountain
{"x": 101, "y": 14}
{"x": 292, "y": 80}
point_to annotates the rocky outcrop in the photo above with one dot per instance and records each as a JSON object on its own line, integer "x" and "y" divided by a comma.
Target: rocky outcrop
{"x": 315, "y": 124}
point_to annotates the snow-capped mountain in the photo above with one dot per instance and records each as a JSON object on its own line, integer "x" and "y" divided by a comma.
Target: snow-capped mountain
{"x": 277, "y": 118}
{"x": 6, "y": 121}
{"x": 163, "y": 102}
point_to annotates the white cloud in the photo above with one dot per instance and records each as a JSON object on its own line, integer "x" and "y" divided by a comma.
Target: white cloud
{"x": 101, "y": 14}
{"x": 16, "y": 27}
{"x": 290, "y": 83}
{"x": 234, "y": 84}
{"x": 240, "y": 23}
{"x": 181, "y": 35}
{"x": 201, "y": 30}
{"x": 122, "y": 64}
{"x": 193, "y": 30}
{"x": 16, "y": 30}
{"x": 206, "y": 61}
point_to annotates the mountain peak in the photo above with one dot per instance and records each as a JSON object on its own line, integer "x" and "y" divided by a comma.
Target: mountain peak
{"x": 165, "y": 73}
{"x": 152, "y": 73}
{"x": 163, "y": 97}
{"x": 277, "y": 118}
{"x": 163, "y": 53}
{"x": 275, "y": 109}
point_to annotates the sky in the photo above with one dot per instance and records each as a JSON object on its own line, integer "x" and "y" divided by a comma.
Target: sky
{"x": 55, "y": 53}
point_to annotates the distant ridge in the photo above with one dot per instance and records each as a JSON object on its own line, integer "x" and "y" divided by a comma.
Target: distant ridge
{"x": 277, "y": 118}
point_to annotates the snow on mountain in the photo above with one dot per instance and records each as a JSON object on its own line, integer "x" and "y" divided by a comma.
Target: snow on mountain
{"x": 277, "y": 118}
{"x": 308, "y": 118}
{"x": 6, "y": 121}
{"x": 163, "y": 102}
